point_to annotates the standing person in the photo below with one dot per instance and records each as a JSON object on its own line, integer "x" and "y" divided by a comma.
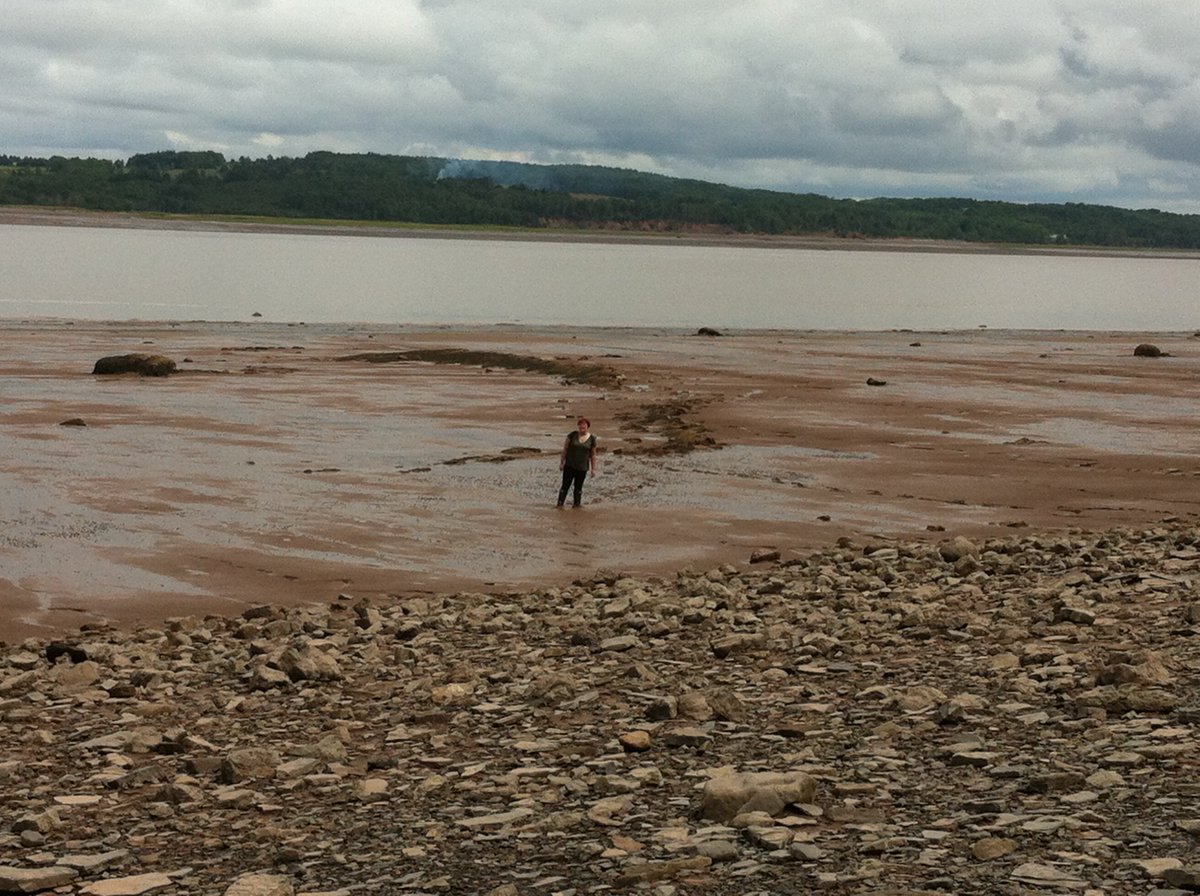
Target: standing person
{"x": 577, "y": 458}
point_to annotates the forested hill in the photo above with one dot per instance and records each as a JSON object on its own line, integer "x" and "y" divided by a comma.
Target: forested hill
{"x": 422, "y": 190}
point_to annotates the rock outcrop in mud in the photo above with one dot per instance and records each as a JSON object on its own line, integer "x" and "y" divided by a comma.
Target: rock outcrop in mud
{"x": 144, "y": 365}
{"x": 671, "y": 424}
{"x": 569, "y": 370}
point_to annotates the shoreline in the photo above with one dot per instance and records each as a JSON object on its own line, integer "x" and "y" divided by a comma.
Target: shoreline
{"x": 64, "y": 217}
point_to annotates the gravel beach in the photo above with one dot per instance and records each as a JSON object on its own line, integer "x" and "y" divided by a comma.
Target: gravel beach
{"x": 1008, "y": 716}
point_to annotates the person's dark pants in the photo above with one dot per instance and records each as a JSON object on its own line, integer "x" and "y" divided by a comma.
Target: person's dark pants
{"x": 572, "y": 478}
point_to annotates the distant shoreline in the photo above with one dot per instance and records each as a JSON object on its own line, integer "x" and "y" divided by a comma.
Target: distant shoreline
{"x": 66, "y": 217}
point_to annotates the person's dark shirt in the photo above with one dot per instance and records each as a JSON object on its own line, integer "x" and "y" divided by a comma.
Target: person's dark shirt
{"x": 580, "y": 453}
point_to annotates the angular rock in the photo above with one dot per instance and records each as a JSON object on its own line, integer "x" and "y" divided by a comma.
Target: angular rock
{"x": 648, "y": 872}
{"x": 308, "y": 663}
{"x": 990, "y": 848}
{"x": 248, "y": 764}
{"x": 737, "y": 643}
{"x": 35, "y": 880}
{"x": 134, "y": 885}
{"x": 1047, "y": 875}
{"x": 1185, "y": 878}
{"x": 261, "y": 885}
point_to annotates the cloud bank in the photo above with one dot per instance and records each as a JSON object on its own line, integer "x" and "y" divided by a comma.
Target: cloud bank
{"x": 1075, "y": 100}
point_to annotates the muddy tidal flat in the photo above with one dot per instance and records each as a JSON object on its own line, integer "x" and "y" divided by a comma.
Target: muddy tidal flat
{"x": 291, "y": 463}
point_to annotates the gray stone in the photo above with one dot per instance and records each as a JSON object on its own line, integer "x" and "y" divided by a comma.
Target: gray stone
{"x": 1185, "y": 878}
{"x": 718, "y": 850}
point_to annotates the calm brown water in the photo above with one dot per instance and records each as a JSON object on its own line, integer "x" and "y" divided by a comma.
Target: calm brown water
{"x": 117, "y": 274}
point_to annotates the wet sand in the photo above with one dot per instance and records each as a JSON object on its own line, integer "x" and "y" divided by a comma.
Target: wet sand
{"x": 270, "y": 471}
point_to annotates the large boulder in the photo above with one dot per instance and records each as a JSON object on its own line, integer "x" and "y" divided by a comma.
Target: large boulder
{"x": 145, "y": 365}
{"x": 732, "y": 793}
{"x": 1147, "y": 350}
{"x": 309, "y": 663}
{"x": 956, "y": 548}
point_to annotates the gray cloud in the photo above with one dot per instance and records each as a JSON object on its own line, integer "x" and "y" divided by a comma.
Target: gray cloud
{"x": 1077, "y": 100}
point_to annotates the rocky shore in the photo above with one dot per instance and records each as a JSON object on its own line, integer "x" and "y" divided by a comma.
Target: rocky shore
{"x": 1000, "y": 716}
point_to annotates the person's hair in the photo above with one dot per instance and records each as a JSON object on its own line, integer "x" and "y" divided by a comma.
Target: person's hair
{"x": 584, "y": 420}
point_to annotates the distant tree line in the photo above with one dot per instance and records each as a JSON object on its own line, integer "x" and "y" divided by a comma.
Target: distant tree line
{"x": 424, "y": 190}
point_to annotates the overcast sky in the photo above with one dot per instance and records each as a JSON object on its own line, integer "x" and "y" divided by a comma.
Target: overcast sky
{"x": 1026, "y": 100}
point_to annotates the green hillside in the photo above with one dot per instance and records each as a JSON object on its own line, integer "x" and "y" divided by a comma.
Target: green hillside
{"x": 422, "y": 190}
